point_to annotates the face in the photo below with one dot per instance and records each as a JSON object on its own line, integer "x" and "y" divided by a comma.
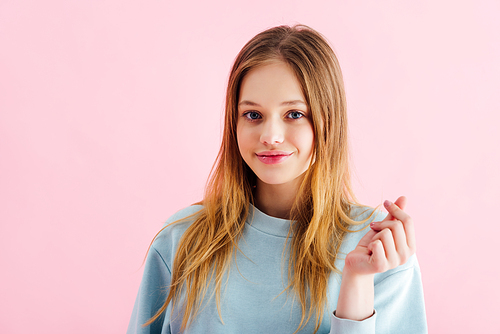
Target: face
{"x": 274, "y": 129}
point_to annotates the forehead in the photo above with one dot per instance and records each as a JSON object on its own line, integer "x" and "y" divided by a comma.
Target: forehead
{"x": 270, "y": 84}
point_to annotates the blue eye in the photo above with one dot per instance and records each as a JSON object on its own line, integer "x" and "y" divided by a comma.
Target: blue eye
{"x": 295, "y": 115}
{"x": 252, "y": 115}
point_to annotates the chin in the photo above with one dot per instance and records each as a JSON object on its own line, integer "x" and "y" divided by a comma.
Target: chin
{"x": 276, "y": 180}
{"x": 272, "y": 180}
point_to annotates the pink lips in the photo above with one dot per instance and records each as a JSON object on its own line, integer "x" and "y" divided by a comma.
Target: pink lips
{"x": 273, "y": 157}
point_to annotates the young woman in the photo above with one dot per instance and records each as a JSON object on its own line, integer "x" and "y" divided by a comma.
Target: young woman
{"x": 279, "y": 244}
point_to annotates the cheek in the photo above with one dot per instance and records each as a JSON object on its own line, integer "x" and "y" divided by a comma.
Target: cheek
{"x": 242, "y": 139}
{"x": 304, "y": 139}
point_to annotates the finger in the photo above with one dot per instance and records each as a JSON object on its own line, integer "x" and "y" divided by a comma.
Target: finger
{"x": 389, "y": 245}
{"x": 399, "y": 234}
{"x": 399, "y": 214}
{"x": 367, "y": 238}
{"x": 377, "y": 261}
{"x": 400, "y": 202}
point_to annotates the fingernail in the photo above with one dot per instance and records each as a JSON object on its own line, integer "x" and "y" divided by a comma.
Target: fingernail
{"x": 387, "y": 204}
{"x": 372, "y": 224}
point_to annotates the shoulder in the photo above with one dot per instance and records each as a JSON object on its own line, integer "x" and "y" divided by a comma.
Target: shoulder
{"x": 360, "y": 213}
{"x": 167, "y": 240}
{"x": 362, "y": 217}
{"x": 184, "y": 214}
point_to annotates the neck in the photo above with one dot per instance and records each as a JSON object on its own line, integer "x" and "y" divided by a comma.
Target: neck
{"x": 276, "y": 200}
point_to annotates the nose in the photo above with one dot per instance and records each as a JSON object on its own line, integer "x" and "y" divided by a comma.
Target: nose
{"x": 272, "y": 132}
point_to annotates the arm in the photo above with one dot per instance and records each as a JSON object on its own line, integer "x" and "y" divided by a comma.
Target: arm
{"x": 388, "y": 245}
{"x": 152, "y": 294}
{"x": 399, "y": 304}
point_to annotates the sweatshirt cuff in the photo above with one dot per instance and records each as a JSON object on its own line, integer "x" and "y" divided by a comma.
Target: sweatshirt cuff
{"x": 347, "y": 326}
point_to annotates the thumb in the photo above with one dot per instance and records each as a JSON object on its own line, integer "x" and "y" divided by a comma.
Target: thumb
{"x": 400, "y": 203}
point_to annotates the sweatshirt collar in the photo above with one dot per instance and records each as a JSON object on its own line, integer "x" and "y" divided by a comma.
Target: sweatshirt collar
{"x": 267, "y": 224}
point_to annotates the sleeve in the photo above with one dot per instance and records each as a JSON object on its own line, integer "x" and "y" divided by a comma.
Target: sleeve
{"x": 346, "y": 326}
{"x": 399, "y": 305}
{"x": 152, "y": 294}
{"x": 399, "y": 300}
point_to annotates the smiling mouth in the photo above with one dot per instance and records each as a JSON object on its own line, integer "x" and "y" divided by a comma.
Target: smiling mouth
{"x": 273, "y": 157}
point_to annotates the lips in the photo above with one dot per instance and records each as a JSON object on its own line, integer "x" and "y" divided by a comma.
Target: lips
{"x": 273, "y": 157}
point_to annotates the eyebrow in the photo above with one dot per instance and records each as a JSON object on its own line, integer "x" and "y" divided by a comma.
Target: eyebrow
{"x": 285, "y": 103}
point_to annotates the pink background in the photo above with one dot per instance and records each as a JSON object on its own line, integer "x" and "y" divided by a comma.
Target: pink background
{"x": 110, "y": 121}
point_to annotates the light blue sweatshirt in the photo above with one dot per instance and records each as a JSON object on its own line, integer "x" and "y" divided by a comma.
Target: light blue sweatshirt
{"x": 252, "y": 300}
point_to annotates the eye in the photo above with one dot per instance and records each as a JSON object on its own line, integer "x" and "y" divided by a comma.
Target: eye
{"x": 295, "y": 115}
{"x": 251, "y": 115}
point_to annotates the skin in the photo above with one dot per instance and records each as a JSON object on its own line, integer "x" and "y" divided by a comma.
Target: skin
{"x": 387, "y": 245}
{"x": 273, "y": 116}
{"x": 269, "y": 121}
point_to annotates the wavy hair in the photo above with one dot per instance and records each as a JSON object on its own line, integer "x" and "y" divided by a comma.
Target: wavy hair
{"x": 321, "y": 210}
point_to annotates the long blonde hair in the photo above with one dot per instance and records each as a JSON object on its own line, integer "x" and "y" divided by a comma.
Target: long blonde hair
{"x": 321, "y": 209}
